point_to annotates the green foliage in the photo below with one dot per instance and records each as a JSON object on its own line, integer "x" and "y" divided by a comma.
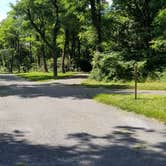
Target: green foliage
{"x": 65, "y": 34}
{"x": 6, "y": 59}
{"x": 159, "y": 42}
{"x": 155, "y": 81}
{"x": 109, "y": 66}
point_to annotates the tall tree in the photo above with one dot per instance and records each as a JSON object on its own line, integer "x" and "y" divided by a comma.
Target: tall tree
{"x": 44, "y": 18}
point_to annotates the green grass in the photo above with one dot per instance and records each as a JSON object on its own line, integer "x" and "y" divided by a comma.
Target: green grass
{"x": 151, "y": 85}
{"x": 153, "y": 106}
{"x": 110, "y": 85}
{"x": 44, "y": 77}
{"x": 20, "y": 164}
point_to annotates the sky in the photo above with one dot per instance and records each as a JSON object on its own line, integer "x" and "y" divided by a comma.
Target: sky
{"x": 5, "y": 7}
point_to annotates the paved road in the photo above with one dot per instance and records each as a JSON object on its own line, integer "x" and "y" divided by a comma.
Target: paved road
{"x": 57, "y": 124}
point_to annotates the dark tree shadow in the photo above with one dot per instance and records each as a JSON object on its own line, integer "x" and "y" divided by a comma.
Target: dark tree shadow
{"x": 121, "y": 147}
{"x": 55, "y": 90}
{"x": 58, "y": 90}
{"x": 10, "y": 78}
{"x": 110, "y": 86}
{"x": 119, "y": 150}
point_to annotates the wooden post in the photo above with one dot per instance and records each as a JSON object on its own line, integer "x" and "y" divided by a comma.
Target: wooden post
{"x": 136, "y": 80}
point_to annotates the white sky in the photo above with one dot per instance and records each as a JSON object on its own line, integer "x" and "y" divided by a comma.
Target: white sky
{"x": 110, "y": 1}
{"x": 5, "y": 7}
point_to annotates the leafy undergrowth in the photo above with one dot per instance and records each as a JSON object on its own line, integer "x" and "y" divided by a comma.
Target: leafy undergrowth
{"x": 44, "y": 77}
{"x": 153, "y": 106}
{"x": 151, "y": 85}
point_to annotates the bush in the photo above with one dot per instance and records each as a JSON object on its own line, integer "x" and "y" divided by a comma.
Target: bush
{"x": 110, "y": 66}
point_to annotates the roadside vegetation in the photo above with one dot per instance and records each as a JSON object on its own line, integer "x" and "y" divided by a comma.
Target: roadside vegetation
{"x": 44, "y": 77}
{"x": 149, "y": 85}
{"x": 108, "y": 38}
{"x": 153, "y": 106}
{"x": 155, "y": 82}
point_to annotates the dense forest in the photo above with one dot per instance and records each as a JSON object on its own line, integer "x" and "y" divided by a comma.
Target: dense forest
{"x": 106, "y": 38}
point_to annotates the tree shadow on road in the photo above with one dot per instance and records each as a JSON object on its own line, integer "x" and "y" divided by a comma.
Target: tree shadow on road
{"x": 55, "y": 91}
{"x": 120, "y": 148}
{"x": 27, "y": 89}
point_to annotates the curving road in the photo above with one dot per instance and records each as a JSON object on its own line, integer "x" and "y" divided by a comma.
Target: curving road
{"x": 58, "y": 124}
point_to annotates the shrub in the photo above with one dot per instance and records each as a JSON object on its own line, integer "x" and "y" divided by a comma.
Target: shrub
{"x": 110, "y": 66}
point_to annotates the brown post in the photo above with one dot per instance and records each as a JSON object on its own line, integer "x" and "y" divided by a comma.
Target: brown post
{"x": 136, "y": 79}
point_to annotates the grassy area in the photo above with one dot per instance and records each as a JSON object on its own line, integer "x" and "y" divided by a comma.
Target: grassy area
{"x": 43, "y": 77}
{"x": 110, "y": 85}
{"x": 153, "y": 106}
{"x": 156, "y": 85}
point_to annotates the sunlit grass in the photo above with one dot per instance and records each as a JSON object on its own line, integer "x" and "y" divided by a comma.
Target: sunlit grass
{"x": 153, "y": 106}
{"x": 110, "y": 85}
{"x": 44, "y": 77}
{"x": 153, "y": 85}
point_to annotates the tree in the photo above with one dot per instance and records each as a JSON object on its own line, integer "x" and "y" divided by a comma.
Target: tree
{"x": 44, "y": 18}
{"x": 66, "y": 34}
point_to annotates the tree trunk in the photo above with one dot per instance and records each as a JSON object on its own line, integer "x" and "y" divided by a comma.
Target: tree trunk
{"x": 11, "y": 65}
{"x": 73, "y": 49}
{"x": 12, "y": 56}
{"x": 65, "y": 50}
{"x": 55, "y": 63}
{"x": 55, "y": 70}
{"x": 44, "y": 59}
{"x": 63, "y": 62}
{"x": 54, "y": 32}
{"x": 18, "y": 54}
{"x": 30, "y": 51}
{"x": 38, "y": 61}
{"x": 96, "y": 20}
{"x": 98, "y": 25}
{"x": 78, "y": 53}
{"x": 20, "y": 57}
